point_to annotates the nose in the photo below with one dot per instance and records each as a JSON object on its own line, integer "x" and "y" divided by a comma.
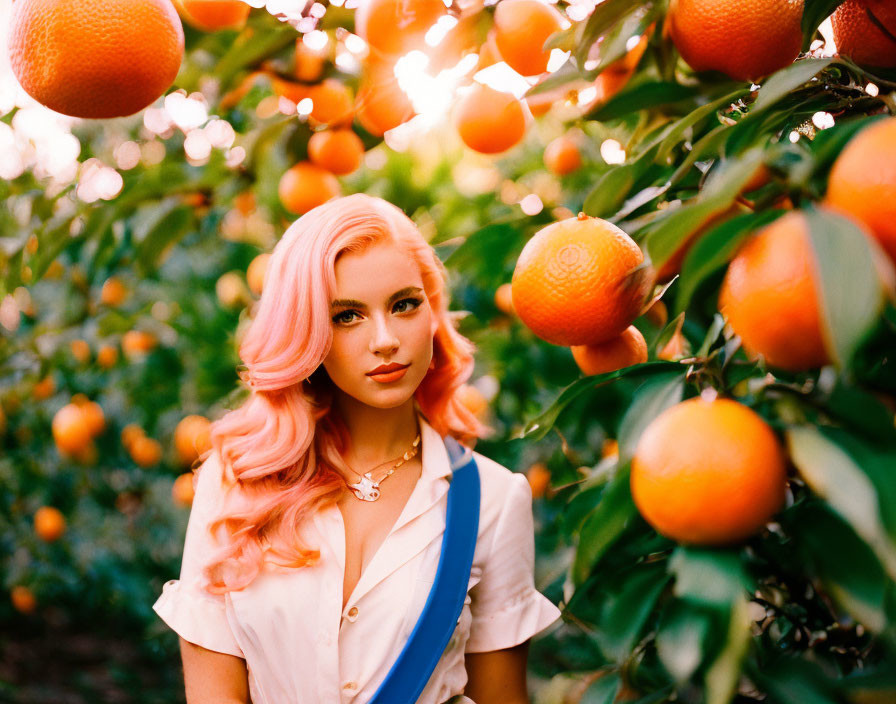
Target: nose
{"x": 383, "y": 341}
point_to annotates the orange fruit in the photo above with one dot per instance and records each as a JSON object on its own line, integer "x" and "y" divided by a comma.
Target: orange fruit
{"x": 231, "y": 290}
{"x": 80, "y": 61}
{"x": 49, "y": 523}
{"x": 675, "y": 348}
{"x": 331, "y": 103}
{"x": 87, "y": 455}
{"x": 113, "y": 292}
{"x": 770, "y": 296}
{"x": 580, "y": 281}
{"x": 80, "y": 350}
{"x": 657, "y": 314}
{"x": 865, "y": 31}
{"x": 71, "y": 429}
{"x": 609, "y": 448}
{"x": 256, "y": 271}
{"x": 23, "y": 599}
{"x": 562, "y": 156}
{"x": 214, "y": 15}
{"x": 490, "y": 121}
{"x": 521, "y": 29}
{"x": 191, "y": 438}
{"x": 539, "y": 477}
{"x": 129, "y": 433}
{"x": 622, "y": 351}
{"x": 395, "y": 27}
{"x": 708, "y": 472}
{"x": 862, "y": 182}
{"x": 145, "y": 451}
{"x": 745, "y": 39}
{"x": 309, "y": 64}
{"x": 44, "y": 388}
{"x": 96, "y": 419}
{"x": 107, "y": 356}
{"x": 305, "y": 186}
{"x": 504, "y": 299}
{"x": 472, "y": 398}
{"x": 135, "y": 343}
{"x": 488, "y": 52}
{"x": 381, "y": 104}
{"x": 338, "y": 151}
{"x": 182, "y": 489}
{"x": 245, "y": 203}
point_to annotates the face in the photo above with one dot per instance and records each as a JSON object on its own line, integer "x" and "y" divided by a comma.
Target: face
{"x": 381, "y": 316}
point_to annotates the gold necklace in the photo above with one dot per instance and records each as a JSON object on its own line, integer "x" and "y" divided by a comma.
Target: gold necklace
{"x": 366, "y": 489}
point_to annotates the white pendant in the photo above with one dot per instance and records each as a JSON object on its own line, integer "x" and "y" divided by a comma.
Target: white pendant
{"x": 366, "y": 489}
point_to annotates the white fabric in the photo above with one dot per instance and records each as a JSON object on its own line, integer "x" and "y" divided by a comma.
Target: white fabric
{"x": 301, "y": 647}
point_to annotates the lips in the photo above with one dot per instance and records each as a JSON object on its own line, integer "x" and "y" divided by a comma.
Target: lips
{"x": 386, "y": 368}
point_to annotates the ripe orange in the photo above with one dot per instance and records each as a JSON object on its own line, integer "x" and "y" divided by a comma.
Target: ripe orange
{"x": 256, "y": 271}
{"x": 113, "y": 292}
{"x": 107, "y": 356}
{"x": 49, "y": 523}
{"x": 708, "y": 472}
{"x": 135, "y": 343}
{"x": 675, "y": 348}
{"x": 745, "y": 39}
{"x": 245, "y": 203}
{"x": 80, "y": 350}
{"x": 96, "y": 419}
{"x": 71, "y": 429}
{"x": 489, "y": 54}
{"x": 395, "y": 27}
{"x": 472, "y": 398}
{"x": 657, "y": 314}
{"x": 338, "y": 151}
{"x": 80, "y": 61}
{"x": 609, "y": 448}
{"x": 305, "y": 186}
{"x": 865, "y": 31}
{"x": 129, "y": 433}
{"x": 145, "y": 451}
{"x": 213, "y": 15}
{"x": 521, "y": 29}
{"x": 309, "y": 64}
{"x": 539, "y": 477}
{"x": 191, "y": 438}
{"x": 770, "y": 296}
{"x": 44, "y": 388}
{"x": 182, "y": 490}
{"x": 231, "y": 291}
{"x": 562, "y": 156}
{"x": 504, "y": 299}
{"x": 580, "y": 281}
{"x": 23, "y": 599}
{"x": 331, "y": 103}
{"x": 490, "y": 121}
{"x": 862, "y": 181}
{"x": 622, "y": 351}
{"x": 381, "y": 104}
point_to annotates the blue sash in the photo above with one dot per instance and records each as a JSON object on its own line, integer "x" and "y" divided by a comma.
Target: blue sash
{"x": 414, "y": 666}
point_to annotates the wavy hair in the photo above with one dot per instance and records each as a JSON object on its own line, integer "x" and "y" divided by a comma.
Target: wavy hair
{"x": 281, "y": 448}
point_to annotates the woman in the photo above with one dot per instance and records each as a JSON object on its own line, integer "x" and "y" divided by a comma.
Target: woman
{"x": 327, "y": 490}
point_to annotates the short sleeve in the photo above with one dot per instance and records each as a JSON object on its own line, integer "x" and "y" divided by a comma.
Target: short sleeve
{"x": 507, "y": 609}
{"x": 196, "y": 615}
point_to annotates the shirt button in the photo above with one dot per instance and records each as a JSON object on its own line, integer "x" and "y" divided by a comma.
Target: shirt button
{"x": 353, "y": 613}
{"x": 350, "y": 685}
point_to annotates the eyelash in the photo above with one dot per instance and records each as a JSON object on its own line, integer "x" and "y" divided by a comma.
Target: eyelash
{"x": 416, "y": 301}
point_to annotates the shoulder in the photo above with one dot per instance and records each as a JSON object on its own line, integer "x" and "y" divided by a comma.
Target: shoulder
{"x": 502, "y": 490}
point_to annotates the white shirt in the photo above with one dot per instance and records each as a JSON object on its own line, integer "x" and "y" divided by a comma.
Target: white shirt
{"x": 302, "y": 647}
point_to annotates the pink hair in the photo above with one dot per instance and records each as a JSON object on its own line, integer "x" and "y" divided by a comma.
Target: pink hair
{"x": 281, "y": 446}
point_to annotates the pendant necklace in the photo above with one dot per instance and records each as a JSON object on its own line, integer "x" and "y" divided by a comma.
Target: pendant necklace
{"x": 366, "y": 489}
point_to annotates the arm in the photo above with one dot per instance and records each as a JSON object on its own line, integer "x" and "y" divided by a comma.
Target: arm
{"x": 499, "y": 676}
{"x": 213, "y": 678}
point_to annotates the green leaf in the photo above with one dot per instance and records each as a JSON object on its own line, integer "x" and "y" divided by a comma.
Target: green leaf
{"x": 614, "y": 186}
{"x": 652, "y": 398}
{"x": 715, "y": 249}
{"x": 723, "y": 675}
{"x": 603, "y": 690}
{"x": 786, "y": 80}
{"x": 538, "y": 427}
{"x": 832, "y": 473}
{"x": 496, "y": 244}
{"x": 814, "y": 13}
{"x": 711, "y": 577}
{"x": 168, "y": 230}
{"x": 603, "y": 18}
{"x": 650, "y": 94}
{"x": 691, "y": 119}
{"x": 680, "y": 639}
{"x": 851, "y": 293}
{"x": 604, "y": 525}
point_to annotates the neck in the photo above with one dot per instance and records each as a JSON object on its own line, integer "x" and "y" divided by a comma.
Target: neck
{"x": 378, "y": 435}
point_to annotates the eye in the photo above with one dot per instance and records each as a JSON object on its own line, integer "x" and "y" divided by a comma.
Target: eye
{"x": 339, "y": 319}
{"x": 415, "y": 301}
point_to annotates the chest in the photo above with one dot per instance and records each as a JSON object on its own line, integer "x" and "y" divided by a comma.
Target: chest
{"x": 368, "y": 523}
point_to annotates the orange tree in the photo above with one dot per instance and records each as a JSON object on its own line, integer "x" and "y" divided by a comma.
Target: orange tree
{"x": 707, "y": 425}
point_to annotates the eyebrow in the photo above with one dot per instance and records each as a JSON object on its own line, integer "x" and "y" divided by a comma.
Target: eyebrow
{"x": 351, "y": 303}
